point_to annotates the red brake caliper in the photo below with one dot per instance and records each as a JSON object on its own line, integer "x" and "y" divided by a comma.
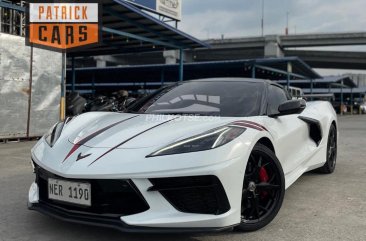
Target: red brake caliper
{"x": 263, "y": 177}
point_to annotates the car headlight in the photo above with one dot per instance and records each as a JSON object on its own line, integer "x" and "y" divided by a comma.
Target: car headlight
{"x": 206, "y": 141}
{"x": 54, "y": 133}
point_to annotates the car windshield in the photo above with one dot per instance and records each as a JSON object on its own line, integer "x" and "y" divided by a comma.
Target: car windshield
{"x": 206, "y": 98}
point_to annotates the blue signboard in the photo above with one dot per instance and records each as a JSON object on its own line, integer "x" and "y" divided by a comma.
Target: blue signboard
{"x": 169, "y": 8}
{"x": 151, "y": 4}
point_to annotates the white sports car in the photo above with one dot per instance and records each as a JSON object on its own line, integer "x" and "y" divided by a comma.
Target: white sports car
{"x": 202, "y": 155}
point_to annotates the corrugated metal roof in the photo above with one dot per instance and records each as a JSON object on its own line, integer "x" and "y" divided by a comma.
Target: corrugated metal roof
{"x": 162, "y": 73}
{"x": 121, "y": 16}
{"x": 333, "y": 81}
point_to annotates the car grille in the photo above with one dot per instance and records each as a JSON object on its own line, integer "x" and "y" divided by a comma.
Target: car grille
{"x": 113, "y": 198}
{"x": 199, "y": 194}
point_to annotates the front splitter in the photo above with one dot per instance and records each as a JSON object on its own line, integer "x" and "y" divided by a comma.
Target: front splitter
{"x": 110, "y": 222}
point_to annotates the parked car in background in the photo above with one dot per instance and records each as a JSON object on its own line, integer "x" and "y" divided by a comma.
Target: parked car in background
{"x": 296, "y": 93}
{"x": 359, "y": 105}
{"x": 363, "y": 107}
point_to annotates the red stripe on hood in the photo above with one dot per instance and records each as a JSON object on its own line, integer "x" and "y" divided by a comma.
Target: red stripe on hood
{"x": 124, "y": 142}
{"x": 252, "y": 124}
{"x": 91, "y": 136}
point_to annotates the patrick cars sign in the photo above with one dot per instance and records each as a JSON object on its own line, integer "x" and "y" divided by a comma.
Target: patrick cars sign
{"x": 63, "y": 25}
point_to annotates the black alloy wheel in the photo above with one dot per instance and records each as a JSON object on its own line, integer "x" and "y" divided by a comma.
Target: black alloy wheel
{"x": 331, "y": 160}
{"x": 263, "y": 189}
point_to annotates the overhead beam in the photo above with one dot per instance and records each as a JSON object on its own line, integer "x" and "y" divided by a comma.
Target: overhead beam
{"x": 279, "y": 71}
{"x": 140, "y": 26}
{"x": 134, "y": 36}
{"x": 108, "y": 51}
{"x": 331, "y": 59}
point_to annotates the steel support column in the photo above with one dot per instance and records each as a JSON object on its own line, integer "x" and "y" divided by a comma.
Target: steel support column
{"x": 342, "y": 98}
{"x": 289, "y": 72}
{"x": 253, "y": 71}
{"x": 63, "y": 89}
{"x": 351, "y": 101}
{"x": 162, "y": 77}
{"x": 73, "y": 74}
{"x": 181, "y": 64}
{"x": 93, "y": 84}
{"x": 311, "y": 88}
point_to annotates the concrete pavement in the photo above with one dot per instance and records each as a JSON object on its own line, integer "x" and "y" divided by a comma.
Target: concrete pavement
{"x": 316, "y": 207}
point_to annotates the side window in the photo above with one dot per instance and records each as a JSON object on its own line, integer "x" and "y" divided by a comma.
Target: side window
{"x": 276, "y": 96}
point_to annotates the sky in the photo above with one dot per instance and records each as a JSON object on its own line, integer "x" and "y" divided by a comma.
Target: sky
{"x": 207, "y": 19}
{"x": 236, "y": 18}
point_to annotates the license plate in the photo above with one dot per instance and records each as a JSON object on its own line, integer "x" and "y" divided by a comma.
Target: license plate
{"x": 70, "y": 192}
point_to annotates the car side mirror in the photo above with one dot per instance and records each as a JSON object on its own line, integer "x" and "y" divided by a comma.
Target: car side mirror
{"x": 290, "y": 107}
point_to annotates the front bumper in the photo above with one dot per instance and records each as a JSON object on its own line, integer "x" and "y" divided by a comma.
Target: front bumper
{"x": 113, "y": 223}
{"x": 161, "y": 216}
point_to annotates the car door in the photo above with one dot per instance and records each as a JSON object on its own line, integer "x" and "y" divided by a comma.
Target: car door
{"x": 288, "y": 131}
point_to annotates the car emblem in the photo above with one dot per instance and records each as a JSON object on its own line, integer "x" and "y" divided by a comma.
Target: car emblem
{"x": 80, "y": 156}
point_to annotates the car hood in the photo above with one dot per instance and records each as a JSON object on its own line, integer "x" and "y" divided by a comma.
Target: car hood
{"x": 115, "y": 145}
{"x": 122, "y": 130}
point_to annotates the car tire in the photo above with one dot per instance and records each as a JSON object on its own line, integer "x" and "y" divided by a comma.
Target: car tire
{"x": 263, "y": 189}
{"x": 331, "y": 159}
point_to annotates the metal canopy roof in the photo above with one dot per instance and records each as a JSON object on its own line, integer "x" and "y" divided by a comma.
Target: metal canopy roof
{"x": 328, "y": 81}
{"x": 300, "y": 69}
{"x": 128, "y": 29}
{"x": 360, "y": 90}
{"x": 339, "y": 81}
{"x": 156, "y": 75}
